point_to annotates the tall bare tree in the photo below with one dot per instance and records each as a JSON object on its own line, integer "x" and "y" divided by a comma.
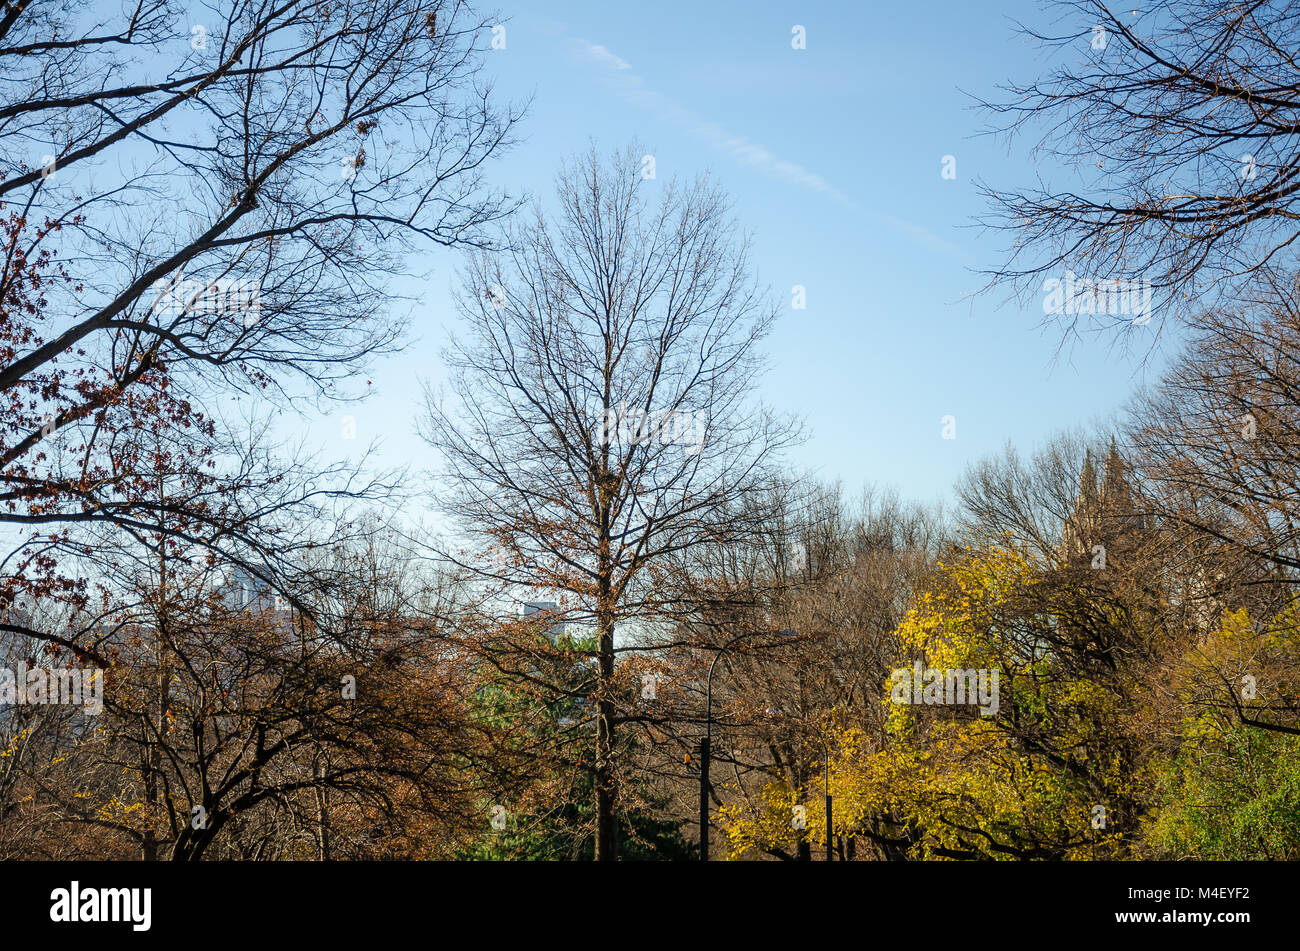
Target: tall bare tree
{"x": 604, "y": 418}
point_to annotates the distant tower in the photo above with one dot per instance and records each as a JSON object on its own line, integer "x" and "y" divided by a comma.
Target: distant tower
{"x": 1115, "y": 491}
{"x": 246, "y": 592}
{"x": 1081, "y": 526}
{"x": 1104, "y": 512}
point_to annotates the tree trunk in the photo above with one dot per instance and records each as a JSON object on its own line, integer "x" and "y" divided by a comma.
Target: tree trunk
{"x": 606, "y": 827}
{"x": 322, "y": 813}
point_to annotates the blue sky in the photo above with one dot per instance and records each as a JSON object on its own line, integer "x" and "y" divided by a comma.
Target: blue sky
{"x": 832, "y": 155}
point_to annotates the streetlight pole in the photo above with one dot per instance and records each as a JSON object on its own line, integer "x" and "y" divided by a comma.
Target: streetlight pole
{"x": 707, "y": 742}
{"x": 704, "y": 799}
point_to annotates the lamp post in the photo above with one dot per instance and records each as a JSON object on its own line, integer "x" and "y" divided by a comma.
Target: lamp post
{"x": 707, "y": 742}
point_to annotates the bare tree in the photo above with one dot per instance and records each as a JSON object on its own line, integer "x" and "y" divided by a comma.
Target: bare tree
{"x": 1180, "y": 121}
{"x": 226, "y": 193}
{"x": 1217, "y": 433}
{"x": 234, "y": 727}
{"x": 1216, "y": 439}
{"x": 1022, "y": 504}
{"x": 604, "y": 418}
